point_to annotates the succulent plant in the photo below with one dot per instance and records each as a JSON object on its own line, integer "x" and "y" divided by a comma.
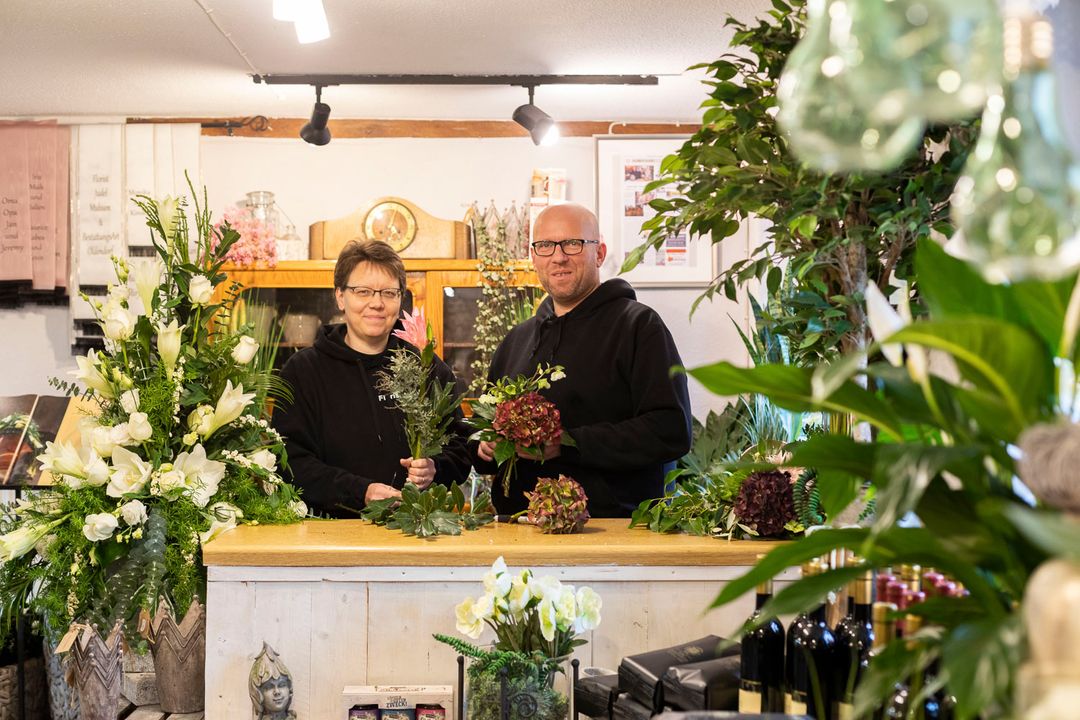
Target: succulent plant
{"x": 558, "y": 505}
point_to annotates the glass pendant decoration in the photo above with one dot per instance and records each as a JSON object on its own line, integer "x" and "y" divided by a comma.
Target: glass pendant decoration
{"x": 955, "y": 46}
{"x": 1017, "y": 205}
{"x": 843, "y": 95}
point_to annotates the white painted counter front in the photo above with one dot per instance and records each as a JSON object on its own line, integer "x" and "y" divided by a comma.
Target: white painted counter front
{"x": 347, "y": 603}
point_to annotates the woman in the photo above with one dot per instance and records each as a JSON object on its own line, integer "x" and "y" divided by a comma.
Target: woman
{"x": 345, "y": 440}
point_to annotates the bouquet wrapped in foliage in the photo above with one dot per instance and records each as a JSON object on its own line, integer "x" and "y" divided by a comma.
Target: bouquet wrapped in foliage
{"x": 536, "y": 621}
{"x": 518, "y": 419}
{"x": 177, "y": 448}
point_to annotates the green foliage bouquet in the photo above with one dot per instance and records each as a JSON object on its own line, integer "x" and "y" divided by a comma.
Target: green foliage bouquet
{"x": 175, "y": 450}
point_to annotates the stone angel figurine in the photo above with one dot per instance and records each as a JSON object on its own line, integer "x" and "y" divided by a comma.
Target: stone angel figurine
{"x": 270, "y": 686}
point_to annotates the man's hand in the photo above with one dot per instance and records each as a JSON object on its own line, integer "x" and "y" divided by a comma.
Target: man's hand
{"x": 380, "y": 491}
{"x": 551, "y": 450}
{"x": 421, "y": 472}
{"x": 486, "y": 451}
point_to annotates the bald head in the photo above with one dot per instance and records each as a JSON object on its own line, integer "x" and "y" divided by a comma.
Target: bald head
{"x": 567, "y": 215}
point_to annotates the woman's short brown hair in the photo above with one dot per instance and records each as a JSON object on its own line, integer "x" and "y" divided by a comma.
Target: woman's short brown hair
{"x": 375, "y": 252}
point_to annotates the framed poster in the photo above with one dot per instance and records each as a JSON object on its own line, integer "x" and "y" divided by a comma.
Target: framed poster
{"x": 625, "y": 165}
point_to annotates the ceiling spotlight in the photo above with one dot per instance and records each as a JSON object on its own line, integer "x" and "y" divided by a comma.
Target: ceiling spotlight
{"x": 316, "y": 132}
{"x": 541, "y": 127}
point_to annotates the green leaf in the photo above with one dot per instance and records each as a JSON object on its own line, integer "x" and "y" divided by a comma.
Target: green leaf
{"x": 1053, "y": 532}
{"x": 979, "y": 658}
{"x": 790, "y": 388}
{"x": 837, "y": 490}
{"x": 835, "y": 452}
{"x": 504, "y": 450}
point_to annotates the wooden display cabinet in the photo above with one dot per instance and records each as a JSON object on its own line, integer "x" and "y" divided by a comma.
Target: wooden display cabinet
{"x": 447, "y": 289}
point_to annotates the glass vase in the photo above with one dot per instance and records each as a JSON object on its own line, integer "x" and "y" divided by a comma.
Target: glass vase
{"x": 843, "y": 94}
{"x": 521, "y": 690}
{"x": 260, "y": 204}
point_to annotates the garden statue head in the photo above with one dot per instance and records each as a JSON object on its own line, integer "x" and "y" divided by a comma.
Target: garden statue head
{"x": 270, "y": 687}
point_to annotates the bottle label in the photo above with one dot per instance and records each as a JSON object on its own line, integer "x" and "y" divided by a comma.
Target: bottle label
{"x": 749, "y": 702}
{"x": 795, "y": 703}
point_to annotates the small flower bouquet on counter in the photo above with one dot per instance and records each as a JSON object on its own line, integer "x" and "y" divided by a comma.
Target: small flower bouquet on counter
{"x": 514, "y": 415}
{"x": 558, "y": 505}
{"x": 537, "y": 623}
{"x": 175, "y": 450}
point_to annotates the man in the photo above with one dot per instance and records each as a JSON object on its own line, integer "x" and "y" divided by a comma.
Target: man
{"x": 628, "y": 417}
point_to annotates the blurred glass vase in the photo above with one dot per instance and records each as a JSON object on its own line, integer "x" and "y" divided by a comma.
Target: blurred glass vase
{"x": 1017, "y": 204}
{"x": 844, "y": 95}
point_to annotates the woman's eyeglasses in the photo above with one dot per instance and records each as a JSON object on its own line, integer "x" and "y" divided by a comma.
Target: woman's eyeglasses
{"x": 366, "y": 293}
{"x": 574, "y": 246}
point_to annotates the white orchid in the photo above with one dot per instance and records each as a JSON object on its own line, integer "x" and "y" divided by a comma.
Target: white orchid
{"x": 90, "y": 375}
{"x": 200, "y": 290}
{"x": 99, "y": 526}
{"x": 230, "y": 406}
{"x": 147, "y": 280}
{"x": 129, "y": 475}
{"x": 223, "y": 517}
{"x": 168, "y": 343}
{"x": 245, "y": 350}
{"x": 133, "y": 512}
{"x": 201, "y": 476}
{"x": 139, "y": 427}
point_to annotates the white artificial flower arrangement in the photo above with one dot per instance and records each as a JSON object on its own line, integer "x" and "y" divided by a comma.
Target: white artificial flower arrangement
{"x": 176, "y": 450}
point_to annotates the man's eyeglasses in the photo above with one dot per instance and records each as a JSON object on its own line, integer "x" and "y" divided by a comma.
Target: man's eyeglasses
{"x": 366, "y": 293}
{"x": 574, "y": 246}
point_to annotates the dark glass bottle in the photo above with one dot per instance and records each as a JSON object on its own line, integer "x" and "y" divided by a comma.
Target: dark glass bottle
{"x": 761, "y": 669}
{"x": 812, "y": 664}
{"x": 884, "y": 633}
{"x": 854, "y": 640}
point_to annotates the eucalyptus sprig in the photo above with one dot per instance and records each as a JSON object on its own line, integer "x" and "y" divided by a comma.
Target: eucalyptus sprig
{"x": 436, "y": 511}
{"x": 427, "y": 404}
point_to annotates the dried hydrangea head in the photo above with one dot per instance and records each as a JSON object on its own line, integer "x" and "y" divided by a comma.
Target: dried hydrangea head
{"x": 558, "y": 506}
{"x": 530, "y": 420}
{"x": 765, "y": 503}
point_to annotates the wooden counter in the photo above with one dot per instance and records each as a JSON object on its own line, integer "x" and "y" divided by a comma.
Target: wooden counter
{"x": 346, "y": 603}
{"x": 353, "y": 543}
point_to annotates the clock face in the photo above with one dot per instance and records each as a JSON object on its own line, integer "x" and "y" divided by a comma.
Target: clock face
{"x": 391, "y": 222}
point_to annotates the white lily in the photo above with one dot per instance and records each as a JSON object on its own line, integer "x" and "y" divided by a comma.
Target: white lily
{"x": 90, "y": 375}
{"x": 147, "y": 281}
{"x": 223, "y": 517}
{"x": 200, "y": 290}
{"x": 884, "y": 322}
{"x": 73, "y": 467}
{"x": 245, "y": 350}
{"x": 201, "y": 476}
{"x": 130, "y": 473}
{"x": 230, "y": 406}
{"x": 168, "y": 210}
{"x": 22, "y": 539}
{"x": 168, "y": 343}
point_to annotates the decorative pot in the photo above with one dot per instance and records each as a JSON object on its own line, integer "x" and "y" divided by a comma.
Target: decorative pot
{"x": 179, "y": 652}
{"x": 533, "y": 691}
{"x": 95, "y": 671}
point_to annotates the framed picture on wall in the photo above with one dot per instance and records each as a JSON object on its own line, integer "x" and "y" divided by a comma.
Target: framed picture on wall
{"x": 625, "y": 165}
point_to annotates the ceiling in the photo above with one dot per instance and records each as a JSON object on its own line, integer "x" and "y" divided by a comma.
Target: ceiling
{"x": 166, "y": 58}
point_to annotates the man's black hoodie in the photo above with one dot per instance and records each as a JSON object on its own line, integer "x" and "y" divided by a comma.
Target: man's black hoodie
{"x": 618, "y": 401}
{"x": 342, "y": 434}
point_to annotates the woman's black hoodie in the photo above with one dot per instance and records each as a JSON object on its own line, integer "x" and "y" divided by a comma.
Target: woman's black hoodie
{"x": 342, "y": 434}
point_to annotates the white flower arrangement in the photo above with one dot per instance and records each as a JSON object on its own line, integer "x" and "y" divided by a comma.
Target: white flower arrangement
{"x": 178, "y": 398}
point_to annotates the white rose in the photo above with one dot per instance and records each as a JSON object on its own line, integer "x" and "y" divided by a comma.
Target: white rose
{"x": 130, "y": 401}
{"x": 119, "y": 324}
{"x": 245, "y": 350}
{"x": 201, "y": 420}
{"x": 168, "y": 343}
{"x": 200, "y": 290}
{"x": 133, "y": 512}
{"x": 100, "y": 438}
{"x": 130, "y": 473}
{"x": 139, "y": 427}
{"x": 264, "y": 459}
{"x": 119, "y": 435}
{"x": 99, "y": 526}
{"x": 168, "y": 480}
{"x": 300, "y": 508}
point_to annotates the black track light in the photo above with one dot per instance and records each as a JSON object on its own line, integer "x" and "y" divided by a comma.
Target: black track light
{"x": 316, "y": 132}
{"x": 541, "y": 127}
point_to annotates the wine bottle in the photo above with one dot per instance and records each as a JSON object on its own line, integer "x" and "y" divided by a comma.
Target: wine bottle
{"x": 884, "y": 633}
{"x": 761, "y": 668}
{"x": 854, "y": 640}
{"x": 811, "y": 664}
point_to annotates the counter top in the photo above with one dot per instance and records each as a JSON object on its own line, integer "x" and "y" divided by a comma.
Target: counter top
{"x": 356, "y": 543}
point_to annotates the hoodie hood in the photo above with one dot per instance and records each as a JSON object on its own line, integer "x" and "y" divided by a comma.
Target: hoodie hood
{"x": 613, "y": 289}
{"x": 331, "y": 341}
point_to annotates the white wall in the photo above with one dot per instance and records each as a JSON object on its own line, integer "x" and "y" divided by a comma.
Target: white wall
{"x": 443, "y": 176}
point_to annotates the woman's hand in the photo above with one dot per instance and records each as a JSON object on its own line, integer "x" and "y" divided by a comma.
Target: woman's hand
{"x": 380, "y": 491}
{"x": 421, "y": 471}
{"x": 486, "y": 450}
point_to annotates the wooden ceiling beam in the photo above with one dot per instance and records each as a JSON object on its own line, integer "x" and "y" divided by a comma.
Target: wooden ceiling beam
{"x": 290, "y": 128}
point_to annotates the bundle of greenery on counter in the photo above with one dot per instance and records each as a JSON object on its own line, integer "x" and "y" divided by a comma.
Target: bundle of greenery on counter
{"x": 437, "y": 510}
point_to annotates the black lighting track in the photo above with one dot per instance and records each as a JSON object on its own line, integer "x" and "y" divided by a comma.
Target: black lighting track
{"x": 514, "y": 80}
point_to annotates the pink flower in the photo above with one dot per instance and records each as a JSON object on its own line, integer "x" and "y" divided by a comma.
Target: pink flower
{"x": 257, "y": 244}
{"x": 416, "y": 328}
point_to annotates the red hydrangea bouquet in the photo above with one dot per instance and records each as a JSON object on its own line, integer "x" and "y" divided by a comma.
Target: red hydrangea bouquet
{"x": 514, "y": 415}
